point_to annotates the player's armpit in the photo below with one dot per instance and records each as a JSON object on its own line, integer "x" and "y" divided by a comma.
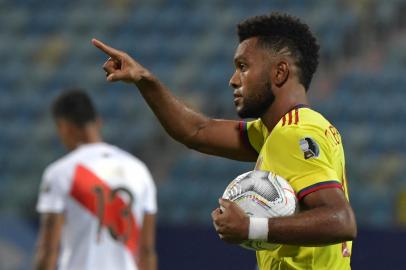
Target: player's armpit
{"x": 325, "y": 218}
{"x": 47, "y": 249}
{"x": 222, "y": 138}
{"x": 147, "y": 254}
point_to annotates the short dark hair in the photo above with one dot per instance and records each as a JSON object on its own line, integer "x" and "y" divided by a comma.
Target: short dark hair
{"x": 75, "y": 106}
{"x": 278, "y": 31}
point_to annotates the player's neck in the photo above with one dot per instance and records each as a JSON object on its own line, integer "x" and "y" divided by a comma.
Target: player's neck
{"x": 87, "y": 136}
{"x": 284, "y": 102}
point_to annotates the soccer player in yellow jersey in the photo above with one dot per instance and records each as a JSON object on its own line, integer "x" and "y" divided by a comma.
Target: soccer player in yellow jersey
{"x": 306, "y": 149}
{"x": 274, "y": 64}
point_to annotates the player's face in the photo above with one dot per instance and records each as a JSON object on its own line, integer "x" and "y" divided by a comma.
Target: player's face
{"x": 251, "y": 80}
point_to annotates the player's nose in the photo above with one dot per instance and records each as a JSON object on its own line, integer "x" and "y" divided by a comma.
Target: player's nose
{"x": 234, "y": 81}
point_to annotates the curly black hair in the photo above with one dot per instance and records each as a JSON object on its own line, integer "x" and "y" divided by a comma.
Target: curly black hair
{"x": 75, "y": 106}
{"x": 281, "y": 32}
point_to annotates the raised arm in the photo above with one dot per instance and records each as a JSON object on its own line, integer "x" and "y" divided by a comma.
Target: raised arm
{"x": 191, "y": 128}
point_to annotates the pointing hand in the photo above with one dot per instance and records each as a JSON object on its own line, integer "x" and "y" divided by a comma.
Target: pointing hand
{"x": 120, "y": 66}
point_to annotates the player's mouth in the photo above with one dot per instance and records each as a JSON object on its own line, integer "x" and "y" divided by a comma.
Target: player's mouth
{"x": 237, "y": 98}
{"x": 237, "y": 101}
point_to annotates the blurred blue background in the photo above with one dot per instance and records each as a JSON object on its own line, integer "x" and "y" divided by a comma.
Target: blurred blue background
{"x": 360, "y": 86}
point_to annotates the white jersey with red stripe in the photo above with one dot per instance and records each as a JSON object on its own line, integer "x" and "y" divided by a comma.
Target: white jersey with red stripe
{"x": 103, "y": 193}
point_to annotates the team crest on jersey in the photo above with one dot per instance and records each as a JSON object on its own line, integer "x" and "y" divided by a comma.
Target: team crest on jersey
{"x": 309, "y": 147}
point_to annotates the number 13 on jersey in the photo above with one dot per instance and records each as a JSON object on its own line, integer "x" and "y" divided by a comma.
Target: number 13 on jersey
{"x": 113, "y": 212}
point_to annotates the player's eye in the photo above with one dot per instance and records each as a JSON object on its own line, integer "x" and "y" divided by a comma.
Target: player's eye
{"x": 242, "y": 67}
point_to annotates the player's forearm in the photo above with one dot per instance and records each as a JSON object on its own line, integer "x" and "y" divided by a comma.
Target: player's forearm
{"x": 45, "y": 260}
{"x": 148, "y": 260}
{"x": 181, "y": 122}
{"x": 47, "y": 251}
{"x": 319, "y": 226}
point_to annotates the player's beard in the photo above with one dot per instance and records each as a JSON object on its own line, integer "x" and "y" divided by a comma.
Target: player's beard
{"x": 255, "y": 106}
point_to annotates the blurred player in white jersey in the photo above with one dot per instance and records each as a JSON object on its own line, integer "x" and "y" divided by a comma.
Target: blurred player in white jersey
{"x": 97, "y": 203}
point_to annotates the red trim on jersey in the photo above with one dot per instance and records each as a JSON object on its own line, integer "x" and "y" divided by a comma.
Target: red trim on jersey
{"x": 328, "y": 184}
{"x": 244, "y": 133}
{"x": 296, "y": 116}
{"x": 82, "y": 191}
{"x": 243, "y": 126}
{"x": 290, "y": 117}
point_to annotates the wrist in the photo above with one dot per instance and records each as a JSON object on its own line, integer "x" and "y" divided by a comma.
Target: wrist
{"x": 258, "y": 229}
{"x": 145, "y": 76}
{"x": 147, "y": 80}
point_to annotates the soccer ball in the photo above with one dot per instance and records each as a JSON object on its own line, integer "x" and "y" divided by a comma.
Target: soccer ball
{"x": 262, "y": 194}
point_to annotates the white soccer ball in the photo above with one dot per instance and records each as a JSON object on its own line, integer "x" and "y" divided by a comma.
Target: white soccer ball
{"x": 262, "y": 194}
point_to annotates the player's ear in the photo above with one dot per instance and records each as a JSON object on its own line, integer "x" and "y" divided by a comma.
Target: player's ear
{"x": 280, "y": 73}
{"x": 99, "y": 123}
{"x": 62, "y": 125}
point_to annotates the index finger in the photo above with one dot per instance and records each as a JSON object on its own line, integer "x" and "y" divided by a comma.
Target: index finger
{"x": 106, "y": 49}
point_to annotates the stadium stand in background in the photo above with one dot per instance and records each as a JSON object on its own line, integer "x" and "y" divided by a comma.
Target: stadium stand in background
{"x": 45, "y": 47}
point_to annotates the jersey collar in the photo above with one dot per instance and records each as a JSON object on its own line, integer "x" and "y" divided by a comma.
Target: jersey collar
{"x": 298, "y": 106}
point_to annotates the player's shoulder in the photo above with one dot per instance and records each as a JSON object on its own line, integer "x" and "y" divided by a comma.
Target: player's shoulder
{"x": 59, "y": 166}
{"x": 256, "y": 127}
{"x": 303, "y": 120}
{"x": 68, "y": 162}
{"x": 311, "y": 117}
{"x": 132, "y": 164}
{"x": 257, "y": 123}
{"x": 302, "y": 125}
{"x": 306, "y": 128}
{"x": 127, "y": 157}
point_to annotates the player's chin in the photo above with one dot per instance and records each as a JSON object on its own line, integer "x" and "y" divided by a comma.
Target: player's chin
{"x": 242, "y": 113}
{"x": 238, "y": 103}
{"x": 239, "y": 107}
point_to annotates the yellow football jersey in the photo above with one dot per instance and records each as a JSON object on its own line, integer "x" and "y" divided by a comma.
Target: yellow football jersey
{"x": 307, "y": 151}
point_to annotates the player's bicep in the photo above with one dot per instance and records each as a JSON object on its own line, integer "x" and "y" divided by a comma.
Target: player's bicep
{"x": 335, "y": 202}
{"x": 328, "y": 197}
{"x": 225, "y": 138}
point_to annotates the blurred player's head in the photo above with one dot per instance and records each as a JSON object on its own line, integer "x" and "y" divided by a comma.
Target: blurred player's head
{"x": 274, "y": 51}
{"x": 76, "y": 118}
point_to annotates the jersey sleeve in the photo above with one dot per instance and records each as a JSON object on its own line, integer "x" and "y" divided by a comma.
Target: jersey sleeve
{"x": 305, "y": 156}
{"x": 52, "y": 195}
{"x": 252, "y": 134}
